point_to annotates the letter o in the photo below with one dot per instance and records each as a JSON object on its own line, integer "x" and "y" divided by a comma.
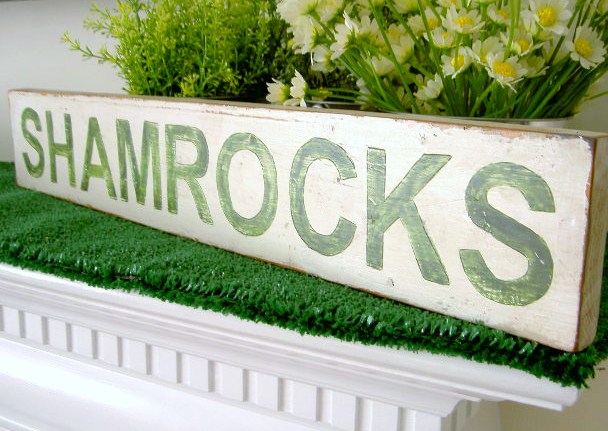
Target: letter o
{"x": 258, "y": 224}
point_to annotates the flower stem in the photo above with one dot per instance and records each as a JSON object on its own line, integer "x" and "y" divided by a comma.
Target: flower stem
{"x": 481, "y": 98}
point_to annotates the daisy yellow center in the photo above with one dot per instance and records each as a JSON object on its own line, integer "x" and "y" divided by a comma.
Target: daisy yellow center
{"x": 457, "y": 62}
{"x": 524, "y": 45}
{"x": 546, "y": 16}
{"x": 445, "y": 36}
{"x": 394, "y": 32}
{"x": 583, "y": 47}
{"x": 462, "y": 21}
{"x": 504, "y": 69}
{"x": 432, "y": 23}
{"x": 503, "y": 13}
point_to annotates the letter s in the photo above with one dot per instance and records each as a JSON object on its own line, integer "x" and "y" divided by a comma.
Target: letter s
{"x": 537, "y": 279}
{"x": 29, "y": 115}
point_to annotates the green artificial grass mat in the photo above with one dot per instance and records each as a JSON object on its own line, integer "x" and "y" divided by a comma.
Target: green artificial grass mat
{"x": 43, "y": 233}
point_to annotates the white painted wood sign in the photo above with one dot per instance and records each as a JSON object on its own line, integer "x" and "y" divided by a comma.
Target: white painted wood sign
{"x": 482, "y": 222}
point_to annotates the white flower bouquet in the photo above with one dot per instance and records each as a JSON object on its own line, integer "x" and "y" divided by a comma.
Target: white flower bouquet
{"x": 473, "y": 58}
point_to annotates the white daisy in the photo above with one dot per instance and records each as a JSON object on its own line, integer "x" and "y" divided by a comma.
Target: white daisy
{"x": 306, "y": 33}
{"x": 449, "y": 3}
{"x": 345, "y": 36}
{"x": 499, "y": 14}
{"x": 491, "y": 45}
{"x": 298, "y": 86}
{"x": 506, "y": 72}
{"x": 401, "y": 43}
{"x": 551, "y": 15}
{"x": 298, "y": 90}
{"x": 431, "y": 89}
{"x": 527, "y": 23}
{"x": 369, "y": 29}
{"x": 457, "y": 62}
{"x": 416, "y": 23}
{"x": 362, "y": 86}
{"x": 442, "y": 38}
{"x": 321, "y": 59}
{"x": 587, "y": 48}
{"x": 522, "y": 42}
{"x": 395, "y": 33}
{"x": 382, "y": 65}
{"x": 329, "y": 9}
{"x": 462, "y": 21}
{"x": 405, "y": 6}
{"x": 278, "y": 92}
{"x": 292, "y": 10}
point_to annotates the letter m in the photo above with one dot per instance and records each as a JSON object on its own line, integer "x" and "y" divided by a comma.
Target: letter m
{"x": 139, "y": 172}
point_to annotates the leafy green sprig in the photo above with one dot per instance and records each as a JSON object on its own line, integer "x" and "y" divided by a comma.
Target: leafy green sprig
{"x": 190, "y": 48}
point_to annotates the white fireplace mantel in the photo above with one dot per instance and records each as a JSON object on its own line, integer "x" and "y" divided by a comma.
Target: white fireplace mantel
{"x": 77, "y": 357}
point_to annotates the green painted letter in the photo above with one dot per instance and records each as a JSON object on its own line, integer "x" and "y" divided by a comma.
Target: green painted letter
{"x": 342, "y": 236}
{"x": 383, "y": 211}
{"x": 37, "y": 170}
{"x": 188, "y": 173}
{"x": 92, "y": 170}
{"x": 537, "y": 280}
{"x": 149, "y": 149}
{"x": 259, "y": 223}
{"x": 57, "y": 149}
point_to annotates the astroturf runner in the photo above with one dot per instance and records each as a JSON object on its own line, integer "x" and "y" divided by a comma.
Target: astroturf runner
{"x": 46, "y": 234}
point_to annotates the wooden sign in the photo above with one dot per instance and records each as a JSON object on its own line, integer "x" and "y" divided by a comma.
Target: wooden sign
{"x": 482, "y": 222}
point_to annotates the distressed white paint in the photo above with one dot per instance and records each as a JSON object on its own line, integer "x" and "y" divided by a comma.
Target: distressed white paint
{"x": 565, "y": 162}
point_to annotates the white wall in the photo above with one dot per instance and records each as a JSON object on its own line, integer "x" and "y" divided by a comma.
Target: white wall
{"x": 588, "y": 414}
{"x": 594, "y": 114}
{"x": 32, "y": 56}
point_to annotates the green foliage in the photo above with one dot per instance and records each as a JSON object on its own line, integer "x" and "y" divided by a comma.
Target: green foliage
{"x": 190, "y": 48}
{"x": 46, "y": 234}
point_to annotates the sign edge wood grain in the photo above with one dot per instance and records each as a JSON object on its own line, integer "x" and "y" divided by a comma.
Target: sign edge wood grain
{"x": 596, "y": 242}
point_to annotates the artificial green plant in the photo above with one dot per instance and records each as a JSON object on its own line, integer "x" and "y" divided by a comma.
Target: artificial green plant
{"x": 190, "y": 48}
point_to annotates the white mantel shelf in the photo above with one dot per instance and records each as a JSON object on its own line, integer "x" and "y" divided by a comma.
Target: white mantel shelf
{"x": 77, "y": 357}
